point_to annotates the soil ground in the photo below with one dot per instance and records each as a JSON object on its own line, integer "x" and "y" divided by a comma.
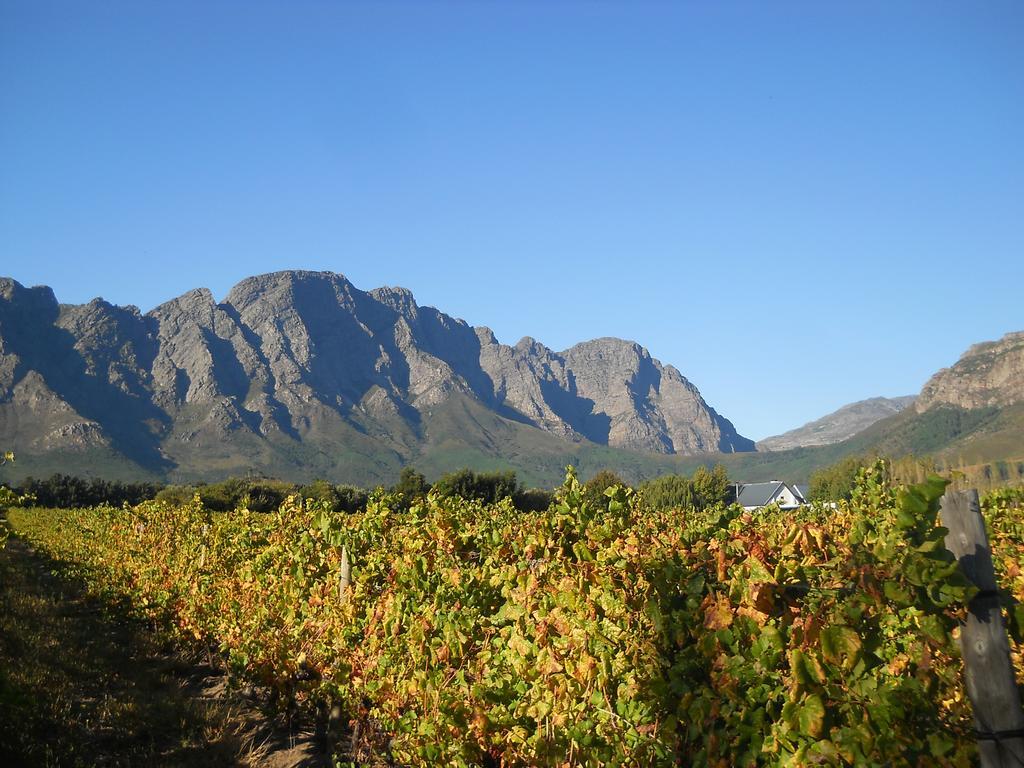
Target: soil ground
{"x": 81, "y": 687}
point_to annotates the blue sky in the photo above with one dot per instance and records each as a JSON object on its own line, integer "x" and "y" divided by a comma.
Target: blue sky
{"x": 796, "y": 204}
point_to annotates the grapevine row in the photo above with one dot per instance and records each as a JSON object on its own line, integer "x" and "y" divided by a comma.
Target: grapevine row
{"x": 589, "y": 634}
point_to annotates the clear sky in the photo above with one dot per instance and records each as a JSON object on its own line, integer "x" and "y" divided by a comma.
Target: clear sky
{"x": 796, "y": 204}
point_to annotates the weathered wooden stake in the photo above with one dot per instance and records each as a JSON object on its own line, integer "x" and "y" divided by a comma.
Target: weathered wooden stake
{"x": 988, "y": 671}
{"x": 345, "y": 578}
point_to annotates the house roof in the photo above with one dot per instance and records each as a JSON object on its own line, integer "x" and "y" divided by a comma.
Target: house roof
{"x": 802, "y": 491}
{"x": 758, "y": 494}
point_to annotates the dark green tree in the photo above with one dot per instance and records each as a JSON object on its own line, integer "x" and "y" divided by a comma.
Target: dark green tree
{"x": 706, "y": 488}
{"x": 350, "y": 498}
{"x": 319, "y": 490}
{"x": 412, "y": 485}
{"x": 488, "y": 487}
{"x": 532, "y": 500}
{"x": 710, "y": 487}
{"x": 594, "y": 488}
{"x": 68, "y": 491}
{"x": 668, "y": 492}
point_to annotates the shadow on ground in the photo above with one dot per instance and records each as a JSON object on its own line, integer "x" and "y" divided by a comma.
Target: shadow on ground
{"x": 81, "y": 688}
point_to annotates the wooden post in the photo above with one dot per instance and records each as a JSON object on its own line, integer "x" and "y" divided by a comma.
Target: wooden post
{"x": 988, "y": 671}
{"x": 345, "y": 577}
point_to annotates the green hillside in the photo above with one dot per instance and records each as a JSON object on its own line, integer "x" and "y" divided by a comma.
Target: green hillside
{"x": 461, "y": 433}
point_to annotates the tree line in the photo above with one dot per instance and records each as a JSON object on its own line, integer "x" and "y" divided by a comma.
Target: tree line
{"x": 706, "y": 487}
{"x": 69, "y": 491}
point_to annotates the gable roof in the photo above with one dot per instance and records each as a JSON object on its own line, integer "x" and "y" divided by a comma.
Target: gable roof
{"x": 758, "y": 494}
{"x": 802, "y": 491}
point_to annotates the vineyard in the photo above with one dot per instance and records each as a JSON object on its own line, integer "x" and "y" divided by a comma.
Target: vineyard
{"x": 589, "y": 634}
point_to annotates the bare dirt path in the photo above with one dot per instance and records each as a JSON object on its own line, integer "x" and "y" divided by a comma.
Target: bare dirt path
{"x": 79, "y": 687}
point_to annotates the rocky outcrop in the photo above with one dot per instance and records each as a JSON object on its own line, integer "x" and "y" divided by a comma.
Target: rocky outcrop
{"x": 309, "y": 359}
{"x": 609, "y": 391}
{"x": 986, "y": 375}
{"x": 648, "y": 406}
{"x": 839, "y": 425}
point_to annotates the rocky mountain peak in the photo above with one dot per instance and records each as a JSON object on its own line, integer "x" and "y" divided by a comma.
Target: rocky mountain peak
{"x": 486, "y": 335}
{"x": 17, "y": 298}
{"x": 399, "y": 299}
{"x": 530, "y": 346}
{"x": 987, "y": 374}
{"x": 297, "y": 290}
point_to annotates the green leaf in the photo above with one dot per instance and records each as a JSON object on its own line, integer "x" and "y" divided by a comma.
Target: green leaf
{"x": 841, "y": 645}
{"x": 805, "y": 668}
{"x": 539, "y": 710}
{"x": 934, "y": 487}
{"x": 825, "y": 752}
{"x": 654, "y": 613}
{"x": 932, "y": 545}
{"x": 695, "y": 584}
{"x": 769, "y": 646}
{"x": 932, "y": 627}
{"x": 789, "y": 715}
{"x": 905, "y": 519}
{"x": 757, "y": 570}
{"x": 939, "y": 743}
{"x": 1015, "y": 616}
{"x": 581, "y": 551}
{"x": 893, "y": 591}
{"x": 912, "y": 503}
{"x": 772, "y": 638}
{"x": 811, "y": 716}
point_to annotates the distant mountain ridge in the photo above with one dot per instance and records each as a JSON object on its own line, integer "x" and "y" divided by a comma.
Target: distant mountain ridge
{"x": 970, "y": 408}
{"x": 299, "y": 373}
{"x": 990, "y": 374}
{"x": 839, "y": 425}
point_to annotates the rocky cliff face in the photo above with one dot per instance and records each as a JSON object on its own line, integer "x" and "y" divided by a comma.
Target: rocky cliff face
{"x": 987, "y": 374}
{"x": 839, "y": 425}
{"x": 305, "y": 358}
{"x": 609, "y": 391}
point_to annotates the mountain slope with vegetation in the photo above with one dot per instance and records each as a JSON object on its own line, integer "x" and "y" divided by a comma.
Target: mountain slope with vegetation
{"x": 969, "y": 417}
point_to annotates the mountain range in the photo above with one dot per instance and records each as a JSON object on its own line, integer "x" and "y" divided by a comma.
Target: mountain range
{"x": 300, "y": 375}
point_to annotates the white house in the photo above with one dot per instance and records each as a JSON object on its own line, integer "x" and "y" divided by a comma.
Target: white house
{"x": 752, "y": 496}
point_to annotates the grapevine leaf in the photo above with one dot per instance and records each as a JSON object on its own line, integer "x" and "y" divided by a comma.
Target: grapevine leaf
{"x": 654, "y": 613}
{"x": 894, "y": 592}
{"x": 1016, "y": 623}
{"x": 932, "y": 627}
{"x": 811, "y": 716}
{"x": 939, "y": 743}
{"x": 841, "y": 645}
{"x": 806, "y": 668}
